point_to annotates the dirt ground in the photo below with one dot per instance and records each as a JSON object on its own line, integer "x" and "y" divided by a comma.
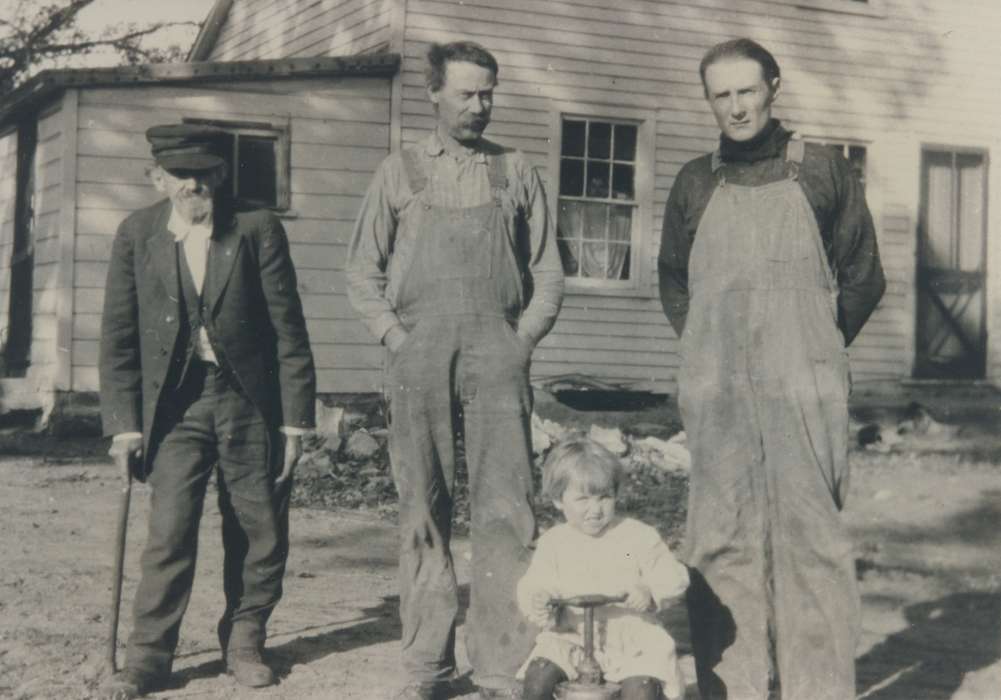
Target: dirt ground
{"x": 926, "y": 519}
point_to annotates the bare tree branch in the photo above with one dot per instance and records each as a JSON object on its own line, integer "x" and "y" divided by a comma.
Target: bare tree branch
{"x": 31, "y": 35}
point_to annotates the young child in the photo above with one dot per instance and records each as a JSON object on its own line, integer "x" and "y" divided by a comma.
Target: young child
{"x": 596, "y": 551}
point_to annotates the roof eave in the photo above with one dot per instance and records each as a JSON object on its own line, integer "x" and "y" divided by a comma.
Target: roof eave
{"x": 48, "y": 83}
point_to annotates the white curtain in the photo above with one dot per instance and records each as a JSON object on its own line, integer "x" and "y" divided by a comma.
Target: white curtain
{"x": 590, "y": 231}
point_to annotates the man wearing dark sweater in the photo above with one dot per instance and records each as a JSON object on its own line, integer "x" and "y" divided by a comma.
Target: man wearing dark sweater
{"x": 768, "y": 269}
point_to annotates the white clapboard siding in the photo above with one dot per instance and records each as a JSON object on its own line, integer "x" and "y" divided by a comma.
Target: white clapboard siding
{"x": 893, "y": 76}
{"x": 47, "y": 204}
{"x": 889, "y": 82}
{"x": 262, "y": 30}
{"x": 339, "y": 134}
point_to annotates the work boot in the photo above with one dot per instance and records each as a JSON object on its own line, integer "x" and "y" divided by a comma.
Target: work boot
{"x": 130, "y": 683}
{"x": 248, "y": 668}
{"x": 541, "y": 678}
{"x": 223, "y": 629}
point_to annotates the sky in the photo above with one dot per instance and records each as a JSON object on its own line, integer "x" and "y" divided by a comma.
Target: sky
{"x": 105, "y": 13}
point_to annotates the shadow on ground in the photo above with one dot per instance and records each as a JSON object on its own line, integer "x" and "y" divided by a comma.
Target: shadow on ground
{"x": 945, "y": 640}
{"x": 372, "y": 626}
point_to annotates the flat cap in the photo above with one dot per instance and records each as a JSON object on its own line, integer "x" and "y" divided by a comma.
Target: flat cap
{"x": 187, "y": 146}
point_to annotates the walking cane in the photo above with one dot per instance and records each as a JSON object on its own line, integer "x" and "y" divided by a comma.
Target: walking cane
{"x": 116, "y": 582}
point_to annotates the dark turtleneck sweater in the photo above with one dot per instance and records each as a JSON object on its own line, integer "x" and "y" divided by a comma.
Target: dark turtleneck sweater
{"x": 835, "y": 195}
{"x": 768, "y": 143}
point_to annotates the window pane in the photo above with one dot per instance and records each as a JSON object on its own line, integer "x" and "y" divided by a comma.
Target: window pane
{"x": 617, "y": 267}
{"x": 620, "y": 224}
{"x": 568, "y": 256}
{"x": 970, "y": 172}
{"x": 571, "y": 177}
{"x": 569, "y": 225}
{"x": 625, "y": 142}
{"x": 939, "y": 213}
{"x": 573, "y": 138}
{"x": 599, "y": 142}
{"x": 622, "y": 182}
{"x": 256, "y": 181}
{"x": 593, "y": 259}
{"x": 597, "y": 178}
{"x": 594, "y": 220}
{"x": 571, "y": 219}
{"x": 229, "y": 151}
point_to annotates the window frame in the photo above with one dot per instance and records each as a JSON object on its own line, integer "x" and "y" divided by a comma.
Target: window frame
{"x": 640, "y": 257}
{"x": 283, "y": 154}
{"x": 870, "y": 8}
{"x": 847, "y": 143}
{"x": 923, "y": 201}
{"x": 875, "y": 157}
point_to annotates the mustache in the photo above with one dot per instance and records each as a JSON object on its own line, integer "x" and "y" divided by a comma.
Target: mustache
{"x": 196, "y": 194}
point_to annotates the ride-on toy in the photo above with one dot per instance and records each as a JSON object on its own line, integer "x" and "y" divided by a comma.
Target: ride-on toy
{"x": 590, "y": 683}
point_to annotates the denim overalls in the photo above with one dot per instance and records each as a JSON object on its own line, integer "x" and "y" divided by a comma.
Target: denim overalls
{"x": 462, "y": 373}
{"x": 763, "y": 393}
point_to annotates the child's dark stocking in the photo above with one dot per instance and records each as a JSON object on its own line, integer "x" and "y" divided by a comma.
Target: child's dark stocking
{"x": 640, "y": 688}
{"x": 541, "y": 678}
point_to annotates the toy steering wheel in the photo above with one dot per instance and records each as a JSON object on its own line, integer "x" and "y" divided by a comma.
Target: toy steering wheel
{"x": 589, "y": 671}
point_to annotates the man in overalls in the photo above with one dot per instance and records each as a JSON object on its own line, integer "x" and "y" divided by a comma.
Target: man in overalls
{"x": 768, "y": 270}
{"x": 453, "y": 266}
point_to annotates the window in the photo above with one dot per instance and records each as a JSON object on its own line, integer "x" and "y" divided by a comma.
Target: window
{"x": 872, "y": 8}
{"x": 258, "y": 155}
{"x": 598, "y": 205}
{"x": 854, "y": 153}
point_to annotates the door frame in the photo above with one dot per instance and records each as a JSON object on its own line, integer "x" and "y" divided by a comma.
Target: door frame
{"x": 983, "y": 340}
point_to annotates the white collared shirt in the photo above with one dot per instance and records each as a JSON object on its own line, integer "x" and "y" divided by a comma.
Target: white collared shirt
{"x": 195, "y": 239}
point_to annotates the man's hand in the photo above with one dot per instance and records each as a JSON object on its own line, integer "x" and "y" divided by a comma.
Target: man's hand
{"x": 395, "y": 338}
{"x": 639, "y": 598}
{"x": 293, "y": 450}
{"x": 126, "y": 452}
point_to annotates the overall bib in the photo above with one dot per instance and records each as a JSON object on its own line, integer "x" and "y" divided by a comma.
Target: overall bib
{"x": 462, "y": 371}
{"x": 763, "y": 391}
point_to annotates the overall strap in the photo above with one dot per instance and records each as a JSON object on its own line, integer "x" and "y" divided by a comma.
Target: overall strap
{"x": 717, "y": 167}
{"x": 417, "y": 179}
{"x": 497, "y": 172}
{"x": 795, "y": 150}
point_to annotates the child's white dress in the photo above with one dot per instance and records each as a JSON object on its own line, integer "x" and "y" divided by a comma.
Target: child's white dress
{"x": 627, "y": 642}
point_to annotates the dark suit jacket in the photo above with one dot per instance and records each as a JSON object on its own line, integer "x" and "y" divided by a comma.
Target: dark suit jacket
{"x": 253, "y": 303}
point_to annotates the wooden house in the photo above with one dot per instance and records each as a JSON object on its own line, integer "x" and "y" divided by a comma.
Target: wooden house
{"x": 75, "y": 162}
{"x": 317, "y": 92}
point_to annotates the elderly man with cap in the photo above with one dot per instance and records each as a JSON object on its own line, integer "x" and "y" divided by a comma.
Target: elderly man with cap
{"x": 205, "y": 361}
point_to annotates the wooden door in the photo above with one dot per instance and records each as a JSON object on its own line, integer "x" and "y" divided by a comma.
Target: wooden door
{"x": 951, "y": 272}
